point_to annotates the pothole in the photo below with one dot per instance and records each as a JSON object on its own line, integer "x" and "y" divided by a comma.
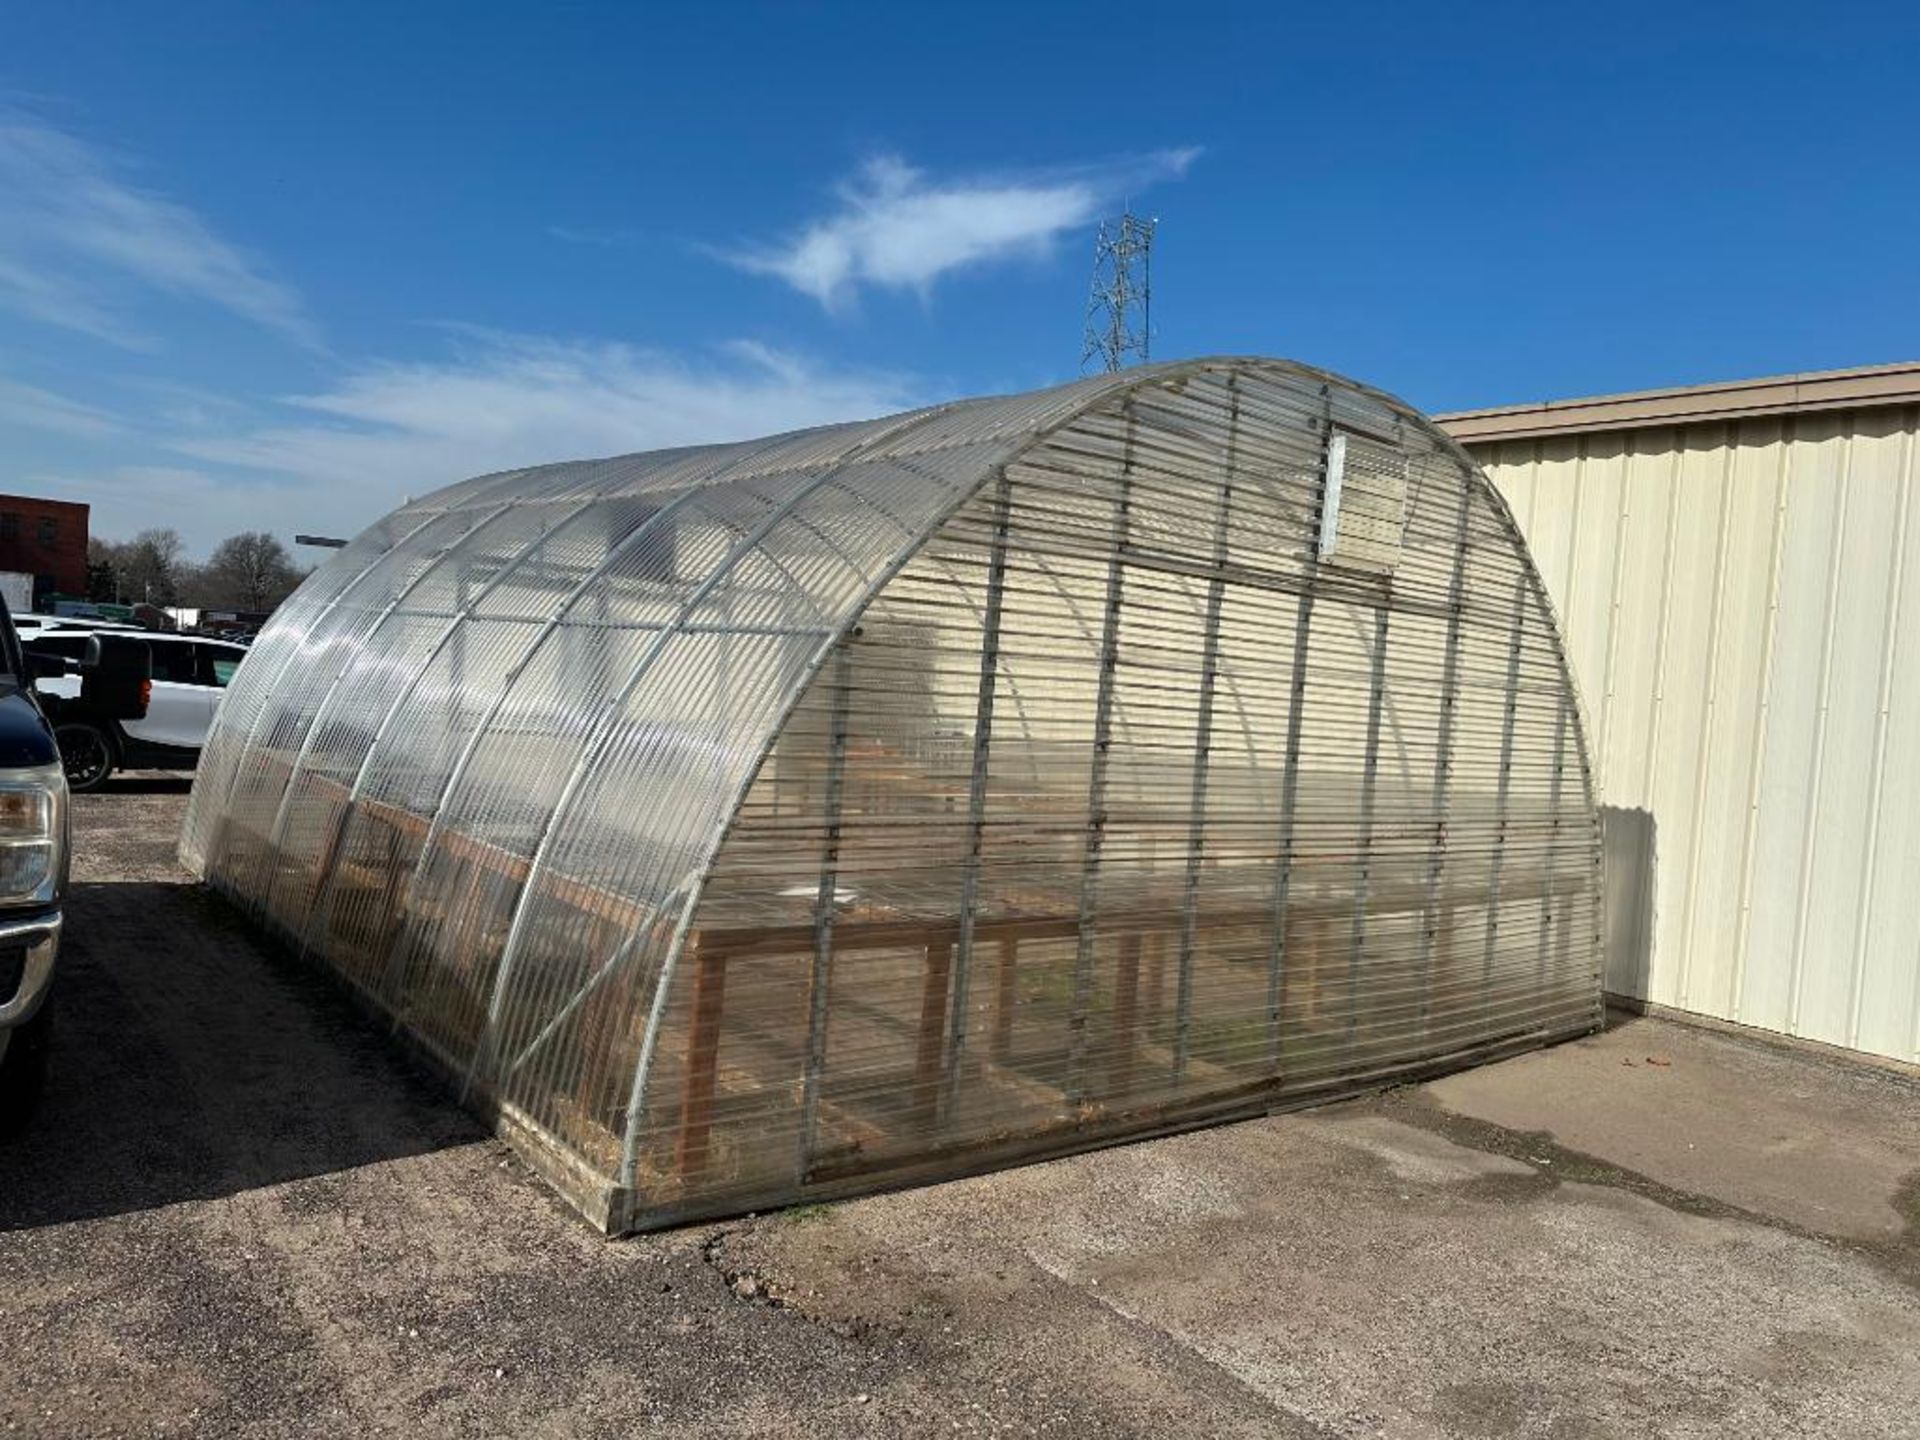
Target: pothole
{"x": 754, "y": 1287}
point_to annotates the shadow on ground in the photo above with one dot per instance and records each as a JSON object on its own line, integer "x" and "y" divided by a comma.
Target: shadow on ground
{"x": 190, "y": 1061}
{"x": 148, "y": 782}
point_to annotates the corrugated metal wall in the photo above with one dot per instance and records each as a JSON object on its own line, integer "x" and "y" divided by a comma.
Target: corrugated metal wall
{"x": 1741, "y": 603}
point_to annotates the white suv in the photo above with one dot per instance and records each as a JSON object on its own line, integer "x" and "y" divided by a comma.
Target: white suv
{"x": 190, "y": 672}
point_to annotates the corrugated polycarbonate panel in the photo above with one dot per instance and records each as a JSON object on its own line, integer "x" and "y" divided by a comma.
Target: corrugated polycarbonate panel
{"x": 242, "y": 706}
{"x": 1741, "y": 602}
{"x": 786, "y": 818}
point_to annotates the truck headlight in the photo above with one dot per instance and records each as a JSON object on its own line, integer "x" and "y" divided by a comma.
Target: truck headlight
{"x": 33, "y": 835}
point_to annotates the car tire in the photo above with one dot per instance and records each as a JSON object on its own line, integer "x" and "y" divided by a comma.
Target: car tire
{"x": 23, "y": 1070}
{"x": 86, "y": 753}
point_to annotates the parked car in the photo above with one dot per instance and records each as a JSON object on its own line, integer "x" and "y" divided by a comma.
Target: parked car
{"x": 109, "y": 678}
{"x": 189, "y": 674}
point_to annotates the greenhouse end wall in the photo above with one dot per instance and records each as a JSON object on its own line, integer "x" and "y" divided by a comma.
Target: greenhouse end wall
{"x": 761, "y": 822}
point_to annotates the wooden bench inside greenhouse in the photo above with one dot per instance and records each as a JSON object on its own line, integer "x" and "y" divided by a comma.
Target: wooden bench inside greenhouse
{"x": 1143, "y": 935}
{"x": 1142, "y": 938}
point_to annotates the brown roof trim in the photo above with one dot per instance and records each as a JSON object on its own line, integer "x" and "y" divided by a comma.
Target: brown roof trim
{"x": 1857, "y": 389}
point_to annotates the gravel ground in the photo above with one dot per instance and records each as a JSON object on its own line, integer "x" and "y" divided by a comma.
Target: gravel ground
{"x": 242, "y": 1215}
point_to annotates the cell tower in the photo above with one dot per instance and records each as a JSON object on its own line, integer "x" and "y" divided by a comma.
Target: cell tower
{"x": 1119, "y": 309}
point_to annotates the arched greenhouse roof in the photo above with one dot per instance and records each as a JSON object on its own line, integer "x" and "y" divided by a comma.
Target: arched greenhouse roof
{"x": 753, "y": 821}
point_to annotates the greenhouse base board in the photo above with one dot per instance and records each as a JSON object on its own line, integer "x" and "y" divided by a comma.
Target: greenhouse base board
{"x": 624, "y": 1212}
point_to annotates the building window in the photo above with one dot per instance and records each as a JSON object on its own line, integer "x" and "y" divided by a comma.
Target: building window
{"x": 1363, "y": 504}
{"x": 9, "y": 525}
{"x": 49, "y": 532}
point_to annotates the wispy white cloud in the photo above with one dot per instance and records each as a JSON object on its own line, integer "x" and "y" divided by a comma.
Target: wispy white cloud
{"x": 40, "y": 294}
{"x": 896, "y": 229}
{"x": 335, "y": 460}
{"x": 76, "y": 237}
{"x": 347, "y": 454}
{"x": 176, "y": 407}
{"x": 38, "y": 409}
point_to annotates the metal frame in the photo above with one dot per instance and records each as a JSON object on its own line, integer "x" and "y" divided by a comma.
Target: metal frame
{"x": 1095, "y": 840}
{"x": 1369, "y": 789}
{"x": 1203, "y": 745}
{"x": 1443, "y": 753}
{"x": 977, "y": 789}
{"x": 1522, "y": 594}
{"x": 824, "y": 907}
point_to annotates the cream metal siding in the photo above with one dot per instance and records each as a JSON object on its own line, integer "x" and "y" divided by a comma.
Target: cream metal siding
{"x": 1741, "y": 603}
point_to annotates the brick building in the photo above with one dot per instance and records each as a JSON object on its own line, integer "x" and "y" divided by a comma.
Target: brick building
{"x": 46, "y": 539}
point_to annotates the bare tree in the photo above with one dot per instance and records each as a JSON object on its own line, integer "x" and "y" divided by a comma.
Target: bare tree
{"x": 149, "y": 567}
{"x": 249, "y": 571}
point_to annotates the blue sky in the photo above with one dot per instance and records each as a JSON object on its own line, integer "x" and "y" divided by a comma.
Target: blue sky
{"x": 278, "y": 265}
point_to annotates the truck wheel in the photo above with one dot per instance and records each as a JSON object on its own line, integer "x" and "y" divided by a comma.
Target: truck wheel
{"x": 23, "y": 1069}
{"x": 86, "y": 753}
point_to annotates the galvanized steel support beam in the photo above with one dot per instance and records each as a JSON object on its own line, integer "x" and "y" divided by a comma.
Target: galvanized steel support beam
{"x": 1203, "y": 744}
{"x": 1284, "y": 838}
{"x": 1549, "y": 900}
{"x": 825, "y": 906}
{"x": 1096, "y": 831}
{"x": 957, "y": 1008}
{"x": 1290, "y": 773}
{"x": 1522, "y": 592}
{"x": 1369, "y": 790}
{"x": 1443, "y": 753}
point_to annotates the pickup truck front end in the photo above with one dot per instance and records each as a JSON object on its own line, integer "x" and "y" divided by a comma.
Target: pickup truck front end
{"x": 35, "y": 843}
{"x": 34, "y": 853}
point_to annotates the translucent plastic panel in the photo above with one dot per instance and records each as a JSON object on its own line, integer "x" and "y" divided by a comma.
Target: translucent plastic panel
{"x": 242, "y": 705}
{"x": 277, "y": 740}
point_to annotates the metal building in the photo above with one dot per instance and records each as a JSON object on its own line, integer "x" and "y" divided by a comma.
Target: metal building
{"x": 1737, "y": 569}
{"x": 880, "y": 802}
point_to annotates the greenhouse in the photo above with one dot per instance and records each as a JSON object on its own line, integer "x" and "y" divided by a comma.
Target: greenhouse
{"x": 762, "y": 822}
